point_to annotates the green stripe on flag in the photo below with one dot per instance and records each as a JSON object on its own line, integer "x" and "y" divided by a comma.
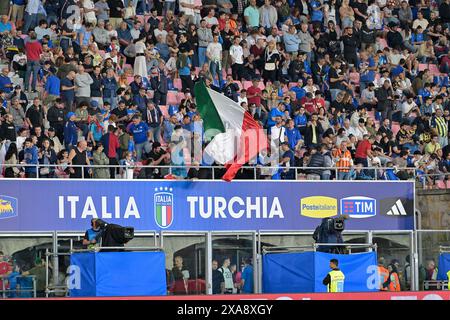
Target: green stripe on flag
{"x": 159, "y": 215}
{"x": 207, "y": 109}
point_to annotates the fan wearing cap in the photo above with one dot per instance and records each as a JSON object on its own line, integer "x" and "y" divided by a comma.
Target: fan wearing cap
{"x": 70, "y": 132}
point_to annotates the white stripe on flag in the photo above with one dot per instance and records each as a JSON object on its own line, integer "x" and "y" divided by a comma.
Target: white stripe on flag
{"x": 401, "y": 208}
{"x": 395, "y": 211}
{"x": 389, "y": 213}
{"x": 163, "y": 216}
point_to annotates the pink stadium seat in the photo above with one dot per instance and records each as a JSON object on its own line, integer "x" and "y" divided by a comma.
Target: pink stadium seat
{"x": 371, "y": 114}
{"x": 440, "y": 184}
{"x": 165, "y": 111}
{"x": 177, "y": 83}
{"x": 130, "y": 79}
{"x": 239, "y": 84}
{"x": 354, "y": 78}
{"x": 150, "y": 94}
{"x": 247, "y": 84}
{"x": 180, "y": 96}
{"x": 383, "y": 43}
{"x": 423, "y": 66}
{"x": 447, "y": 184}
{"x": 395, "y": 128}
{"x": 292, "y": 84}
{"x": 141, "y": 19}
{"x": 434, "y": 70}
{"x": 172, "y": 97}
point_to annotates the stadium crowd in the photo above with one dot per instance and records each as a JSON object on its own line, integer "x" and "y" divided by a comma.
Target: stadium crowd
{"x": 348, "y": 84}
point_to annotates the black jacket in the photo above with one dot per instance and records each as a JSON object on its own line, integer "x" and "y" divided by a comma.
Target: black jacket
{"x": 53, "y": 114}
{"x": 382, "y": 95}
{"x": 394, "y": 39}
{"x": 317, "y": 160}
{"x": 309, "y": 134}
{"x": 8, "y": 132}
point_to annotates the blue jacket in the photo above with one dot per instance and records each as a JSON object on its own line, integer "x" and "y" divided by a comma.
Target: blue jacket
{"x": 30, "y": 156}
{"x": 109, "y": 87}
{"x": 70, "y": 133}
{"x": 291, "y": 42}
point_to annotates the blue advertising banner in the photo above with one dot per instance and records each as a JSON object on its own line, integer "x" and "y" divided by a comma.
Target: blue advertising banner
{"x": 443, "y": 267}
{"x": 109, "y": 274}
{"x": 68, "y": 205}
{"x": 360, "y": 271}
{"x": 304, "y": 272}
{"x": 288, "y": 272}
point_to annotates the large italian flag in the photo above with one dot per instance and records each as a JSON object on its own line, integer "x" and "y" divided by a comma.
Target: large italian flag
{"x": 236, "y": 137}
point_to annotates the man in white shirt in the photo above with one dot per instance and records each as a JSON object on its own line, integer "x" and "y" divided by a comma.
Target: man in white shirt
{"x": 136, "y": 31}
{"x": 237, "y": 59}
{"x": 359, "y": 131}
{"x": 407, "y": 106}
{"x": 420, "y": 21}
{"x": 187, "y": 7}
{"x": 211, "y": 20}
{"x": 31, "y": 15}
{"x": 243, "y": 97}
{"x": 214, "y": 55}
{"x": 90, "y": 12}
{"x": 277, "y": 134}
{"x": 160, "y": 31}
{"x": 227, "y": 276}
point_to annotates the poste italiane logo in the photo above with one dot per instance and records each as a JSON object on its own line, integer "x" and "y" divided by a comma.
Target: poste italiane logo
{"x": 8, "y": 207}
{"x": 318, "y": 207}
{"x": 163, "y": 208}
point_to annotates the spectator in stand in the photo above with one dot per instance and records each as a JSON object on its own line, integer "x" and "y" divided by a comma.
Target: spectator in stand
{"x": 33, "y": 50}
{"x": 30, "y": 158}
{"x": 110, "y": 142}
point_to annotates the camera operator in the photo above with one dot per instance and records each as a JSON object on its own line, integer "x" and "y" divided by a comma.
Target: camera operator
{"x": 93, "y": 235}
{"x": 330, "y": 231}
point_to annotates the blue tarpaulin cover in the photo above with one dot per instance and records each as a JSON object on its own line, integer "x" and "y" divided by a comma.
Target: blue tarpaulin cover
{"x": 304, "y": 272}
{"x": 120, "y": 274}
{"x": 443, "y": 266}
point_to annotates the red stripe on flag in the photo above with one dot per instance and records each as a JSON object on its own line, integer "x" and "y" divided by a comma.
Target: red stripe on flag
{"x": 253, "y": 140}
{"x": 169, "y": 215}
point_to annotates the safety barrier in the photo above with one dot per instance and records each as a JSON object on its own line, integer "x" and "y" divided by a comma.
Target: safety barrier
{"x": 426, "y": 180}
{"x": 6, "y": 292}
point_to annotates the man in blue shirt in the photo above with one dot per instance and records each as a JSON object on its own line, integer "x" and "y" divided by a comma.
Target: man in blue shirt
{"x": 70, "y": 132}
{"x": 139, "y": 130}
{"x": 30, "y": 157}
{"x": 5, "y": 82}
{"x": 367, "y": 70}
{"x": 275, "y": 112}
{"x": 52, "y": 88}
{"x": 5, "y": 25}
{"x": 317, "y": 13}
{"x": 68, "y": 90}
{"x": 298, "y": 89}
{"x": 247, "y": 277}
{"x": 287, "y": 160}
{"x": 293, "y": 134}
{"x": 92, "y": 235}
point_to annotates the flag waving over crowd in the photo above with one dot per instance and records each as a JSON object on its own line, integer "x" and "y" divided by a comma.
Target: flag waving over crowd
{"x": 237, "y": 138}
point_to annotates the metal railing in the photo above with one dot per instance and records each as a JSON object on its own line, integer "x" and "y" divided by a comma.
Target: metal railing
{"x": 259, "y": 172}
{"x": 315, "y": 246}
{"x": 6, "y": 291}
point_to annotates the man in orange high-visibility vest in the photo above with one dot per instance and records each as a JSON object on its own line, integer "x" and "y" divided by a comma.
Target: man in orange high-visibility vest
{"x": 383, "y": 274}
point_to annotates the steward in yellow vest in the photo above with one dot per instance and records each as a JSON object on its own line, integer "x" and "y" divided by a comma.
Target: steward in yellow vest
{"x": 335, "y": 278}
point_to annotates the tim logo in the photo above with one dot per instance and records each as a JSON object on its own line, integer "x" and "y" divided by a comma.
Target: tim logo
{"x": 359, "y": 207}
{"x": 8, "y": 207}
{"x": 163, "y": 201}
